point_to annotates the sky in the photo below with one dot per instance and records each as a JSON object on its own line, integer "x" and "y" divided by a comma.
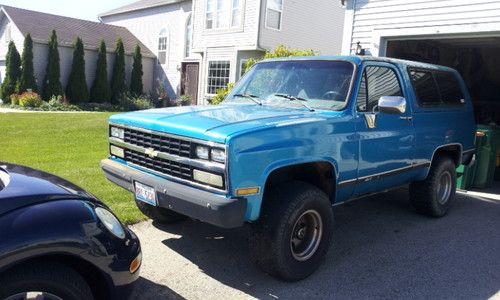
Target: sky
{"x": 81, "y": 9}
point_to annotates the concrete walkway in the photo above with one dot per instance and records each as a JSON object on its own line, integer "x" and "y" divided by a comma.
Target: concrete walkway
{"x": 381, "y": 250}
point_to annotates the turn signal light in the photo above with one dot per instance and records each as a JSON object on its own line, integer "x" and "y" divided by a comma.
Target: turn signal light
{"x": 136, "y": 263}
{"x": 247, "y": 191}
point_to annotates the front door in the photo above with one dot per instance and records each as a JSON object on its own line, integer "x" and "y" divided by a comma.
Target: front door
{"x": 386, "y": 141}
{"x": 189, "y": 84}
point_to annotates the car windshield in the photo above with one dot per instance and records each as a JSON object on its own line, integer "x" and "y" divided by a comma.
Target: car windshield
{"x": 320, "y": 84}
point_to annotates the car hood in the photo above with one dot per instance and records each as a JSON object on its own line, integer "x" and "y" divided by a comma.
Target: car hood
{"x": 22, "y": 186}
{"x": 215, "y": 122}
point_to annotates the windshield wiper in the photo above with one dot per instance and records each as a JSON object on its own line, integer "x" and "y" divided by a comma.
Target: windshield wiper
{"x": 294, "y": 98}
{"x": 249, "y": 96}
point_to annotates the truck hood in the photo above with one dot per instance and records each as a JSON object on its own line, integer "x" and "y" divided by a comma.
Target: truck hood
{"x": 23, "y": 186}
{"x": 215, "y": 122}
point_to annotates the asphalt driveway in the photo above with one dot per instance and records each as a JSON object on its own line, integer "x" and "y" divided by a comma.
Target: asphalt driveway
{"x": 381, "y": 249}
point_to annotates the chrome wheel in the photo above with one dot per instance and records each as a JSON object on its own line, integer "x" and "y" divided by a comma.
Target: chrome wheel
{"x": 33, "y": 296}
{"x": 444, "y": 187}
{"x": 306, "y": 235}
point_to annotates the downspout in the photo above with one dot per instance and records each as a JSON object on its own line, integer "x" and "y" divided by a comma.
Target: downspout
{"x": 352, "y": 25}
{"x": 257, "y": 34}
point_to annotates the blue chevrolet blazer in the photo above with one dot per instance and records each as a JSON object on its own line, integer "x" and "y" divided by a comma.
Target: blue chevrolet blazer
{"x": 294, "y": 137}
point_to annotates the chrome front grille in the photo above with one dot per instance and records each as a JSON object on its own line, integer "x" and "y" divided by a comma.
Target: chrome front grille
{"x": 164, "y": 166}
{"x": 157, "y": 142}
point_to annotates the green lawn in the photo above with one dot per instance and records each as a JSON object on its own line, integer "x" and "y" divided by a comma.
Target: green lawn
{"x": 70, "y": 145}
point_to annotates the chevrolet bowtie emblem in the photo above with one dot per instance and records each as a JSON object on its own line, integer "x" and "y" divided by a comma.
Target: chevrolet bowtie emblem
{"x": 151, "y": 152}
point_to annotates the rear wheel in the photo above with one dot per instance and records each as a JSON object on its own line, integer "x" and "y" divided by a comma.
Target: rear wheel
{"x": 44, "y": 281}
{"x": 294, "y": 232}
{"x": 160, "y": 214}
{"x": 434, "y": 195}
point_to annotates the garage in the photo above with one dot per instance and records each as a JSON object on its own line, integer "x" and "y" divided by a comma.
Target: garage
{"x": 475, "y": 58}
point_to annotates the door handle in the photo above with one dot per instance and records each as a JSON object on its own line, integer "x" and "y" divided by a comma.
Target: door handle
{"x": 409, "y": 118}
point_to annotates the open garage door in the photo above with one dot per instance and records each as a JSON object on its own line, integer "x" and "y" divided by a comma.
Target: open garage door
{"x": 477, "y": 59}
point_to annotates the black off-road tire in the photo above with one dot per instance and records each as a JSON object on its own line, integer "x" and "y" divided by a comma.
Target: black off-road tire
{"x": 53, "y": 278}
{"x": 159, "y": 214}
{"x": 270, "y": 243}
{"x": 425, "y": 196}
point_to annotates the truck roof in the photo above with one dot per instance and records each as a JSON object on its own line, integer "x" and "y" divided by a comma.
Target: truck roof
{"x": 360, "y": 59}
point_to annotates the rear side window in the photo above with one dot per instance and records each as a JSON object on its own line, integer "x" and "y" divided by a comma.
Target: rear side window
{"x": 436, "y": 88}
{"x": 449, "y": 88}
{"x": 376, "y": 82}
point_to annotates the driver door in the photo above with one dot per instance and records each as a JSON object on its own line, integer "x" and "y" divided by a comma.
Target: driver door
{"x": 386, "y": 141}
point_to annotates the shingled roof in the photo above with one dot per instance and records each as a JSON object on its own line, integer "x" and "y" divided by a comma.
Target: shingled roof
{"x": 139, "y": 5}
{"x": 40, "y": 25}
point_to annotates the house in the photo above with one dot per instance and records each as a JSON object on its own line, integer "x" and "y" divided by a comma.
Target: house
{"x": 16, "y": 23}
{"x": 165, "y": 27}
{"x": 201, "y": 45}
{"x": 464, "y": 35}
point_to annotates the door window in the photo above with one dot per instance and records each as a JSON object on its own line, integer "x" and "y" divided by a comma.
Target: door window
{"x": 375, "y": 83}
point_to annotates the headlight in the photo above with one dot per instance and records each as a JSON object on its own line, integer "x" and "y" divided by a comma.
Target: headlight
{"x": 209, "y": 178}
{"x": 117, "y": 132}
{"x": 218, "y": 155}
{"x": 202, "y": 152}
{"x": 111, "y": 222}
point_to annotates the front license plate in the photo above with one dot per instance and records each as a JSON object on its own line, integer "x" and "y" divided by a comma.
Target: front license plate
{"x": 145, "y": 193}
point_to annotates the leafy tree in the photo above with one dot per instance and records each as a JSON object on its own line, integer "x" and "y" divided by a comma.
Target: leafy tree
{"x": 12, "y": 73}
{"x": 279, "y": 51}
{"x": 100, "y": 91}
{"x": 76, "y": 90}
{"x": 52, "y": 82}
{"x": 27, "y": 80}
{"x": 118, "y": 80}
{"x": 136, "y": 77}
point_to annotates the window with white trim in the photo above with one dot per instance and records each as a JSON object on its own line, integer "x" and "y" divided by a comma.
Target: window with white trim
{"x": 218, "y": 75}
{"x": 189, "y": 36}
{"x": 274, "y": 11}
{"x": 162, "y": 46}
{"x": 223, "y": 14}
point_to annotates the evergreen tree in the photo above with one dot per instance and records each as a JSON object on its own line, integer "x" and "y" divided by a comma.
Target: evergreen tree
{"x": 136, "y": 77}
{"x": 100, "y": 91}
{"x": 51, "y": 83}
{"x": 12, "y": 73}
{"x": 118, "y": 80}
{"x": 76, "y": 90}
{"x": 27, "y": 80}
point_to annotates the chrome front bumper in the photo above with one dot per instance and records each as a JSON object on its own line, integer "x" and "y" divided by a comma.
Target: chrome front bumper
{"x": 198, "y": 204}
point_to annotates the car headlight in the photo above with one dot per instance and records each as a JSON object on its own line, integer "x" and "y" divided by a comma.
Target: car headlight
{"x": 218, "y": 155}
{"x": 110, "y": 222}
{"x": 202, "y": 152}
{"x": 117, "y": 132}
{"x": 208, "y": 178}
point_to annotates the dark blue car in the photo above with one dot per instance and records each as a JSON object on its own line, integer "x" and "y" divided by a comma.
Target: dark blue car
{"x": 57, "y": 241}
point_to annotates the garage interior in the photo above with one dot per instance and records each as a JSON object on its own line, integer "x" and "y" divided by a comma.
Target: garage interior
{"x": 476, "y": 59}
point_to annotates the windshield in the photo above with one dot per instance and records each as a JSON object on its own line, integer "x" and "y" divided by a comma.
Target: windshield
{"x": 321, "y": 84}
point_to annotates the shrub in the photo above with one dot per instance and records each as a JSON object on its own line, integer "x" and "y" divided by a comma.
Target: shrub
{"x": 118, "y": 80}
{"x": 129, "y": 102}
{"x": 136, "y": 76}
{"x": 52, "y": 83}
{"x": 101, "y": 91}
{"x": 30, "y": 99}
{"x": 14, "y": 99}
{"x": 221, "y": 94}
{"x": 27, "y": 81}
{"x": 12, "y": 73}
{"x": 280, "y": 51}
{"x": 77, "y": 90}
{"x": 57, "y": 103}
{"x": 186, "y": 100}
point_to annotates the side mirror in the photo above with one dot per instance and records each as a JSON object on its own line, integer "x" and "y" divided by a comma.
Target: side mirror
{"x": 393, "y": 105}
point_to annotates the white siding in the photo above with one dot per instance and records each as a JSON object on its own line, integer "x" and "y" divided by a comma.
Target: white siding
{"x": 305, "y": 25}
{"x": 244, "y": 36}
{"x": 373, "y": 22}
{"x": 146, "y": 26}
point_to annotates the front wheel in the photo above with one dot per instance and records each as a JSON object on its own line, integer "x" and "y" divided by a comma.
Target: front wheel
{"x": 44, "y": 281}
{"x": 434, "y": 195}
{"x": 294, "y": 231}
{"x": 159, "y": 214}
